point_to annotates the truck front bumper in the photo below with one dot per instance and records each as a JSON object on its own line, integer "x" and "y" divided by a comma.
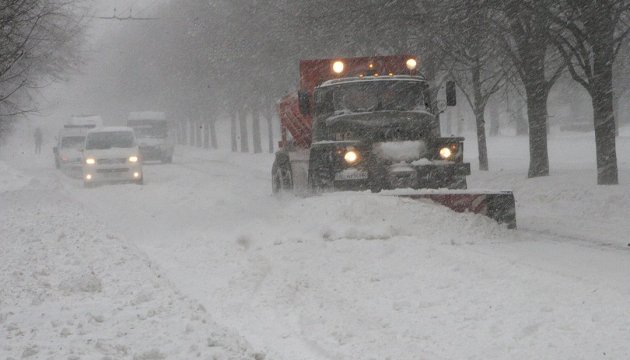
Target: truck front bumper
{"x": 429, "y": 176}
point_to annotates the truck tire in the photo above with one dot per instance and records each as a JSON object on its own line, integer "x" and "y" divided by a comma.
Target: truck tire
{"x": 281, "y": 175}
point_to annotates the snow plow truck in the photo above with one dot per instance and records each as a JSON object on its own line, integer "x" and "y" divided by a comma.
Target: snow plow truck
{"x": 370, "y": 123}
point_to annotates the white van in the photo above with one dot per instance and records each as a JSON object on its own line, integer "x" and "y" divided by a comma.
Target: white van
{"x": 68, "y": 151}
{"x": 156, "y": 135}
{"x": 111, "y": 155}
{"x": 70, "y": 142}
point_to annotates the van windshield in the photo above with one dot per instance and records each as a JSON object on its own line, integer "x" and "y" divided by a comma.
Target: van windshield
{"x": 108, "y": 140}
{"x": 149, "y": 129}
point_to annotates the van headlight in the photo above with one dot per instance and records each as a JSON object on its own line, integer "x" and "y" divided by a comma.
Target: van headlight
{"x": 133, "y": 159}
{"x": 90, "y": 161}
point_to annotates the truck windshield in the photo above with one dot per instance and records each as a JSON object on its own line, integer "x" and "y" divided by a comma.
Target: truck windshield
{"x": 108, "y": 140}
{"x": 149, "y": 129}
{"x": 367, "y": 96}
{"x": 72, "y": 142}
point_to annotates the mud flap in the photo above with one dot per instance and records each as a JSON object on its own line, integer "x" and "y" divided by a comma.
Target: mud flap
{"x": 499, "y": 206}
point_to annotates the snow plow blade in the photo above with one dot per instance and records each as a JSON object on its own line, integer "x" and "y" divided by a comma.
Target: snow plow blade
{"x": 499, "y": 206}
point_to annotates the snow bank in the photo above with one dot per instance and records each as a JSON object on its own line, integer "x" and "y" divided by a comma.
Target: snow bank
{"x": 11, "y": 179}
{"x": 70, "y": 289}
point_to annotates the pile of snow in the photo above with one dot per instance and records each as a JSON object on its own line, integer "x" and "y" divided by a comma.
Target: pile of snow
{"x": 11, "y": 179}
{"x": 400, "y": 150}
{"x": 70, "y": 289}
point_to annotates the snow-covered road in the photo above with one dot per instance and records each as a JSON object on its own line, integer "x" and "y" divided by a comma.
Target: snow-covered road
{"x": 361, "y": 276}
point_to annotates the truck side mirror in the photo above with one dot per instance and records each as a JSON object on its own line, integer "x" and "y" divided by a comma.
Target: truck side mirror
{"x": 305, "y": 103}
{"x": 451, "y": 94}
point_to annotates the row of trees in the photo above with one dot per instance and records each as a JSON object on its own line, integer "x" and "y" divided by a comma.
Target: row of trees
{"x": 238, "y": 57}
{"x": 39, "y": 43}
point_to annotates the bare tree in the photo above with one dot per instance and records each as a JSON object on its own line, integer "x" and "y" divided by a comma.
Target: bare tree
{"x": 477, "y": 66}
{"x": 39, "y": 42}
{"x": 524, "y": 34}
{"x": 589, "y": 35}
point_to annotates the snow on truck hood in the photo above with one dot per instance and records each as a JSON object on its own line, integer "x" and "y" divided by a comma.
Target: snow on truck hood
{"x": 400, "y": 150}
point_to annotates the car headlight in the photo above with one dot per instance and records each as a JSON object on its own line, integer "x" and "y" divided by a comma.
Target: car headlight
{"x": 351, "y": 157}
{"x": 133, "y": 159}
{"x": 445, "y": 153}
{"x": 90, "y": 161}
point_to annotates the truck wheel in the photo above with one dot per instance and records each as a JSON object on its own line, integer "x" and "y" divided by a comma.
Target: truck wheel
{"x": 281, "y": 176}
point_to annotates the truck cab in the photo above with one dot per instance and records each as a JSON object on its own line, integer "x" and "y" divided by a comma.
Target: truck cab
{"x": 370, "y": 125}
{"x": 379, "y": 133}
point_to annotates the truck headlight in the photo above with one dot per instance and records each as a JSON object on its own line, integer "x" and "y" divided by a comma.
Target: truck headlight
{"x": 445, "y": 153}
{"x": 351, "y": 157}
{"x": 133, "y": 159}
{"x": 90, "y": 161}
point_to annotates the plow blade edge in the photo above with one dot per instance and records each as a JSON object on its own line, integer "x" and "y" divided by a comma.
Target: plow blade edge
{"x": 499, "y": 206}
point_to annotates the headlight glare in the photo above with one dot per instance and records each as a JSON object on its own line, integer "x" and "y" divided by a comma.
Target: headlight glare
{"x": 133, "y": 159}
{"x": 90, "y": 161}
{"x": 338, "y": 67}
{"x": 445, "y": 153}
{"x": 351, "y": 157}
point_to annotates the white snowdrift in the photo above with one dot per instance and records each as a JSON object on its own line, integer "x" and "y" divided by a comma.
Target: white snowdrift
{"x": 69, "y": 289}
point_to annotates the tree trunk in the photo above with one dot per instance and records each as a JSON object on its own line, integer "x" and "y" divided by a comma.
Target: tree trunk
{"x": 182, "y": 132}
{"x": 191, "y": 127}
{"x": 269, "y": 116}
{"x": 206, "y": 133}
{"x": 479, "y": 108}
{"x": 198, "y": 132}
{"x": 233, "y": 131}
{"x": 536, "y": 91}
{"x": 481, "y": 139}
{"x": 213, "y": 132}
{"x": 602, "y": 95}
{"x": 494, "y": 121}
{"x": 242, "y": 122}
{"x": 256, "y": 130}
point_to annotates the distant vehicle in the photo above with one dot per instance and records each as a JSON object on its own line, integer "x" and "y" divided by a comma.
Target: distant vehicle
{"x": 155, "y": 134}
{"x": 70, "y": 141}
{"x": 111, "y": 154}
